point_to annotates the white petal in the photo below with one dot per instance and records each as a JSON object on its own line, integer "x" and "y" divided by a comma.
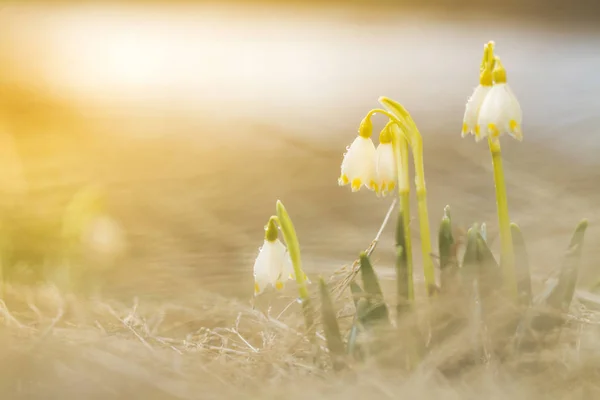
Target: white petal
{"x": 500, "y": 113}
{"x": 515, "y": 128}
{"x": 261, "y": 272}
{"x": 386, "y": 168}
{"x": 472, "y": 109}
{"x": 358, "y": 166}
{"x": 268, "y": 266}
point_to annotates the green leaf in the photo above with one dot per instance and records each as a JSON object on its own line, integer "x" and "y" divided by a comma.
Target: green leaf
{"x": 293, "y": 246}
{"x": 331, "y": 327}
{"x": 403, "y": 275}
{"x": 522, "y": 266}
{"x": 561, "y": 296}
{"x": 395, "y": 108}
{"x": 555, "y": 299}
{"x": 370, "y": 281}
{"x": 470, "y": 264}
{"x": 448, "y": 263}
{"x": 489, "y": 277}
{"x": 378, "y": 311}
{"x": 357, "y": 293}
{"x": 354, "y": 347}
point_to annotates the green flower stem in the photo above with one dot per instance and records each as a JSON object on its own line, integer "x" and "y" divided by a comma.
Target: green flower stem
{"x": 424, "y": 222}
{"x": 507, "y": 256}
{"x": 401, "y": 152}
{"x": 291, "y": 240}
{"x": 409, "y": 130}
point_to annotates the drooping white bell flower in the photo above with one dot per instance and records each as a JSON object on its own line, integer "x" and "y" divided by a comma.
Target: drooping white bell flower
{"x": 500, "y": 112}
{"x": 386, "y": 166}
{"x": 272, "y": 265}
{"x": 358, "y": 165}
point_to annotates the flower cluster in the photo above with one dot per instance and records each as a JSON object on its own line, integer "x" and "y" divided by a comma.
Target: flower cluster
{"x": 363, "y": 164}
{"x": 492, "y": 109}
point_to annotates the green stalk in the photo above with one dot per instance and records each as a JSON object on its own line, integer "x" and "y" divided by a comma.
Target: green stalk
{"x": 404, "y": 261}
{"x": 291, "y": 240}
{"x": 522, "y": 269}
{"x": 397, "y": 113}
{"x": 507, "y": 256}
{"x": 331, "y": 327}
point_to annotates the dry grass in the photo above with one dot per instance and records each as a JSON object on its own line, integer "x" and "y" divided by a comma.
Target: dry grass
{"x": 205, "y": 346}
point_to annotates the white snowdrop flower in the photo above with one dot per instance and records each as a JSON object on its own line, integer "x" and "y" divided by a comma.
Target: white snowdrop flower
{"x": 500, "y": 112}
{"x": 273, "y": 264}
{"x": 358, "y": 165}
{"x": 386, "y": 166}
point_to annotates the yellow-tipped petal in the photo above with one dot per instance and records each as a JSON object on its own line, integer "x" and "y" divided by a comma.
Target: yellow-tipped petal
{"x": 515, "y": 130}
{"x": 493, "y": 130}
{"x": 358, "y": 165}
{"x": 343, "y": 180}
{"x": 374, "y": 186}
{"x": 500, "y": 113}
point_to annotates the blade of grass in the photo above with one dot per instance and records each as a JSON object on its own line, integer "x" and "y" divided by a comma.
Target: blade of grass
{"x": 378, "y": 311}
{"x": 522, "y": 266}
{"x": 331, "y": 327}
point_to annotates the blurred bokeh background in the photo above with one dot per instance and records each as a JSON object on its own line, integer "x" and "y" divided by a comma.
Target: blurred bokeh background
{"x": 196, "y": 117}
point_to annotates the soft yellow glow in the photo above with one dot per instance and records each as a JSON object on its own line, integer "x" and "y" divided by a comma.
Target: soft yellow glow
{"x": 169, "y": 53}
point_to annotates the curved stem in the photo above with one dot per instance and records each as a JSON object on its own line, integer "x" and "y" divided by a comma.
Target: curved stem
{"x": 291, "y": 240}
{"x": 409, "y": 128}
{"x": 293, "y": 246}
{"x": 507, "y": 256}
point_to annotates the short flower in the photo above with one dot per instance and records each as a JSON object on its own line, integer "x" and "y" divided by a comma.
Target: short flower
{"x": 358, "y": 165}
{"x": 386, "y": 166}
{"x": 500, "y": 112}
{"x": 273, "y": 265}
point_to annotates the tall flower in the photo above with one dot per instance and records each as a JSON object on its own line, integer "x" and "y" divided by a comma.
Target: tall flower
{"x": 386, "y": 166}
{"x": 273, "y": 265}
{"x": 500, "y": 112}
{"x": 358, "y": 165}
{"x": 497, "y": 111}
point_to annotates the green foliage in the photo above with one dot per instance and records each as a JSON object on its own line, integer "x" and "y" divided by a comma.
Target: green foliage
{"x": 447, "y": 253}
{"x": 470, "y": 264}
{"x": 522, "y": 266}
{"x": 471, "y": 290}
{"x": 291, "y": 239}
{"x": 330, "y": 327}
{"x": 403, "y": 275}
{"x": 377, "y": 311}
{"x": 561, "y": 296}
